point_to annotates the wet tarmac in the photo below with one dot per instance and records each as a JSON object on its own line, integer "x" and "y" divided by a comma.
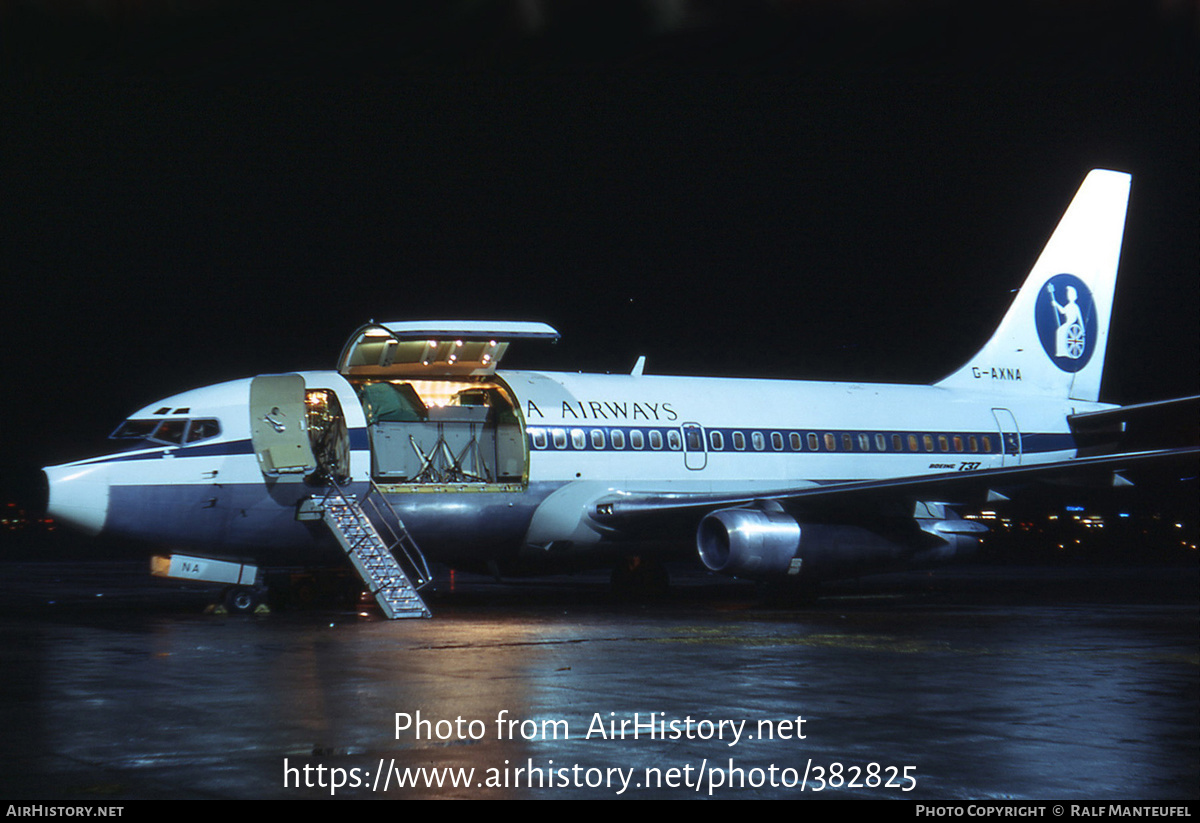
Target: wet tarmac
{"x": 964, "y": 683}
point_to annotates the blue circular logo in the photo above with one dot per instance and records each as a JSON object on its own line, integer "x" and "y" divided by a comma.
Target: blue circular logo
{"x": 1065, "y": 314}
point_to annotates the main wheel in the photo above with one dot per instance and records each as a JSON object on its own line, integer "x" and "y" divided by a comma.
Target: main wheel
{"x": 640, "y": 578}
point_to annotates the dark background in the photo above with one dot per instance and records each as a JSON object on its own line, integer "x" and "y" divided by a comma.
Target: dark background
{"x": 193, "y": 192}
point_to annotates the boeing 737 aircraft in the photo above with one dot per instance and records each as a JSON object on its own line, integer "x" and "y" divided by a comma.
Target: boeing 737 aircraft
{"x": 417, "y": 440}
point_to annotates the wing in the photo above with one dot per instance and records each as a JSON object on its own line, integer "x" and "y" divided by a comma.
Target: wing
{"x": 820, "y": 532}
{"x": 624, "y": 511}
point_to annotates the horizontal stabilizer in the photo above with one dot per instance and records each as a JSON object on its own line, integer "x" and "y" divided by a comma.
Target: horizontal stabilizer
{"x": 1161, "y": 424}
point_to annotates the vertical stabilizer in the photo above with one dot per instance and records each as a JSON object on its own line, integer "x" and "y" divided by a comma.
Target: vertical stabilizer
{"x": 1052, "y": 340}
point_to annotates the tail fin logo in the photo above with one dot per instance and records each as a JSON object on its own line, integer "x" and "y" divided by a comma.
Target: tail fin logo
{"x": 1065, "y": 314}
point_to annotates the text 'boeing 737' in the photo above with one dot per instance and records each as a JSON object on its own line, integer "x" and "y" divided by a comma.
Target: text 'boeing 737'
{"x": 417, "y": 447}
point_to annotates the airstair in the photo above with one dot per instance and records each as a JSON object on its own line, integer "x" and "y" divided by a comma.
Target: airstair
{"x": 382, "y": 551}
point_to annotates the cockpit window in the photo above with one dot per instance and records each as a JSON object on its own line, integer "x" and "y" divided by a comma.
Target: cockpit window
{"x": 202, "y": 430}
{"x": 134, "y": 428}
{"x": 170, "y": 432}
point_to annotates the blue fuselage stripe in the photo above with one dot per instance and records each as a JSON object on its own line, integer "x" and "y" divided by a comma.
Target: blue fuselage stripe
{"x": 674, "y": 438}
{"x": 790, "y": 441}
{"x": 228, "y": 447}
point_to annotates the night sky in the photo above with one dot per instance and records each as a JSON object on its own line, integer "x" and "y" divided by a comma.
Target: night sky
{"x": 816, "y": 190}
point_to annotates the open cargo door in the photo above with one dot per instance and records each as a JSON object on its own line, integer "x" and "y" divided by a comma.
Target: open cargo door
{"x": 434, "y": 348}
{"x": 437, "y": 413}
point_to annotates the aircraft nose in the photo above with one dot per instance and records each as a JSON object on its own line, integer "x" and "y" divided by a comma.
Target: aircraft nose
{"x": 78, "y": 496}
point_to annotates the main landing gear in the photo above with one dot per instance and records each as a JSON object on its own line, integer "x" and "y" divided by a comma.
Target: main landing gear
{"x": 640, "y": 578}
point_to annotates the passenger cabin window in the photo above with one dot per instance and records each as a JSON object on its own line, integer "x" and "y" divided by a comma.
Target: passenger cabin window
{"x": 636, "y": 439}
{"x": 560, "y": 438}
{"x": 972, "y": 443}
{"x": 758, "y": 440}
{"x": 739, "y": 441}
{"x": 897, "y": 443}
{"x": 847, "y": 443}
{"x": 958, "y": 444}
{"x": 777, "y": 441}
{"x": 864, "y": 443}
{"x": 578, "y": 440}
{"x": 912, "y": 443}
{"x": 813, "y": 443}
{"x": 717, "y": 440}
{"x": 655, "y": 439}
{"x": 830, "y": 442}
{"x": 794, "y": 440}
{"x": 618, "y": 438}
{"x": 674, "y": 441}
{"x": 880, "y": 443}
{"x": 943, "y": 443}
{"x": 927, "y": 439}
{"x": 597, "y": 439}
{"x": 539, "y": 438}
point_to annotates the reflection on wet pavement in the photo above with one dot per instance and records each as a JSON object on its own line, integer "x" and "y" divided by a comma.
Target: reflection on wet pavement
{"x": 984, "y": 683}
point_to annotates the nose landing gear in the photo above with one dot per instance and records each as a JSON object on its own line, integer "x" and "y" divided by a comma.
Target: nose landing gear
{"x": 243, "y": 599}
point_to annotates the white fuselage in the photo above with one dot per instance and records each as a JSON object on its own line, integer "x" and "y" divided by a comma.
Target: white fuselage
{"x": 487, "y": 466}
{"x": 585, "y": 435}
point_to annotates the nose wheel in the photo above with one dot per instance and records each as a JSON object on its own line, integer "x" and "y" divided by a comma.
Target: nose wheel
{"x": 242, "y": 599}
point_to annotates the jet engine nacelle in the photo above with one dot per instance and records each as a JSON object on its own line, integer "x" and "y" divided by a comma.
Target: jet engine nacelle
{"x": 748, "y": 542}
{"x": 770, "y": 544}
